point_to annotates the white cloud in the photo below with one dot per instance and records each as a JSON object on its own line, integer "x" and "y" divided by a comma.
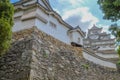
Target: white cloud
{"x": 82, "y": 14}
{"x": 77, "y": 14}
{"x": 72, "y": 2}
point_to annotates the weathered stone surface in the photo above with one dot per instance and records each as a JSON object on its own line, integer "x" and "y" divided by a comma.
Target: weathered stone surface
{"x": 37, "y": 56}
{"x": 15, "y": 65}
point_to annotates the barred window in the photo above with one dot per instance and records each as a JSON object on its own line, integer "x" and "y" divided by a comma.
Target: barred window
{"x": 52, "y": 25}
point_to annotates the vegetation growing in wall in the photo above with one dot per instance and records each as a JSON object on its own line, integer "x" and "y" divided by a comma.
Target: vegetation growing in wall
{"x": 85, "y": 66}
{"x": 6, "y": 23}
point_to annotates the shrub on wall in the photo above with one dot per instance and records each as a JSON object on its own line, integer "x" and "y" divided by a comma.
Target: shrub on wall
{"x": 6, "y": 23}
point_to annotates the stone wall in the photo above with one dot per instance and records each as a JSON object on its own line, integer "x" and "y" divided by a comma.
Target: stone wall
{"x": 35, "y": 55}
{"x": 15, "y": 64}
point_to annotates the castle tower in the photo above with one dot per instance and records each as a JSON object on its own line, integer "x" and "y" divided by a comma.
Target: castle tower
{"x": 100, "y": 42}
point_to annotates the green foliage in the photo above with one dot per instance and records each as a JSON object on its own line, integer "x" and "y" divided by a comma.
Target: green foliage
{"x": 118, "y": 63}
{"x": 115, "y": 30}
{"x": 45, "y": 54}
{"x": 110, "y": 8}
{"x": 86, "y": 66}
{"x": 6, "y": 23}
{"x": 118, "y": 51}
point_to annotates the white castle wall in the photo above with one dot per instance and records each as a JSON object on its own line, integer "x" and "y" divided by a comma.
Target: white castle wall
{"x": 95, "y": 60}
{"x": 19, "y": 24}
{"x": 76, "y": 36}
{"x": 107, "y": 55}
{"x": 37, "y": 16}
{"x": 106, "y": 48}
{"x": 59, "y": 32}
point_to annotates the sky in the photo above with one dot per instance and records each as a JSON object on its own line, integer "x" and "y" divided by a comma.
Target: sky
{"x": 84, "y": 13}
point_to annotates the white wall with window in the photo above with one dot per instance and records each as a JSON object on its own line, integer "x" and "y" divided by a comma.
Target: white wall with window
{"x": 53, "y": 27}
{"x": 47, "y": 21}
{"x": 76, "y": 37}
{"x": 20, "y": 23}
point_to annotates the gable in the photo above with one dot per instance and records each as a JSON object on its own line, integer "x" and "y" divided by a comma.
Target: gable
{"x": 41, "y": 3}
{"x": 45, "y": 3}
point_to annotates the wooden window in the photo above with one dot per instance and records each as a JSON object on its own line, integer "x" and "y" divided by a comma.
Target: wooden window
{"x": 53, "y": 25}
{"x": 78, "y": 40}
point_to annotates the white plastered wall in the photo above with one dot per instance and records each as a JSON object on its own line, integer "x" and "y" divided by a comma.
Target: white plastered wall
{"x": 96, "y": 60}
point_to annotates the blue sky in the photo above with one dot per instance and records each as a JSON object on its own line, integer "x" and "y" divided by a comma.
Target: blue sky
{"x": 84, "y": 13}
{"x": 14, "y": 1}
